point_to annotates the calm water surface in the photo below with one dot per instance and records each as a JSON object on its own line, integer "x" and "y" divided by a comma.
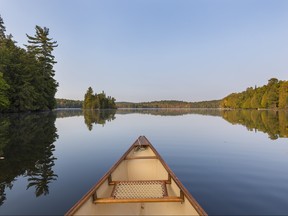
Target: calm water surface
{"x": 232, "y": 162}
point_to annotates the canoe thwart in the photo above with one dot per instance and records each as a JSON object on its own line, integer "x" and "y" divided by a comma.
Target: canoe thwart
{"x": 141, "y": 157}
{"x": 111, "y": 200}
{"x": 117, "y": 182}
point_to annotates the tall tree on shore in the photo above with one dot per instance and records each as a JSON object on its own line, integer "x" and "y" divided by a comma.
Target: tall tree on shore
{"x": 88, "y": 99}
{"x": 41, "y": 46}
{"x": 2, "y": 29}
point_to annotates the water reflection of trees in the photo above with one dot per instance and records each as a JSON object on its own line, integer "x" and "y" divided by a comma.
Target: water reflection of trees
{"x": 98, "y": 117}
{"x": 171, "y": 111}
{"x": 274, "y": 123}
{"x": 26, "y": 149}
{"x": 65, "y": 113}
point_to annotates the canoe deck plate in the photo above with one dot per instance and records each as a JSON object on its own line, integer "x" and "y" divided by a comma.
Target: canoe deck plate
{"x": 139, "y": 190}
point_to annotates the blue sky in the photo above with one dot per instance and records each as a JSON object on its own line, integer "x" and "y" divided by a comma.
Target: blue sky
{"x": 144, "y": 50}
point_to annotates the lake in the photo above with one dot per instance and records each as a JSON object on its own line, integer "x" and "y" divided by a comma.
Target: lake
{"x": 232, "y": 162}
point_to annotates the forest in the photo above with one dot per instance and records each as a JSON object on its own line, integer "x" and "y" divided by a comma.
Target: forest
{"x": 26, "y": 74}
{"x": 98, "y": 101}
{"x": 274, "y": 95}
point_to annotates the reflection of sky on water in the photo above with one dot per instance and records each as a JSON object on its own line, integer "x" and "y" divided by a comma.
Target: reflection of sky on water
{"x": 227, "y": 168}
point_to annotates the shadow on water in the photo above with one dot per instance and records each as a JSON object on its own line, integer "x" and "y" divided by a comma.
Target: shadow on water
{"x": 26, "y": 149}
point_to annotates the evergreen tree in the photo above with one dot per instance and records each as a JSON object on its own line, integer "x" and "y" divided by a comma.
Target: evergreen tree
{"x": 2, "y": 29}
{"x": 41, "y": 46}
{"x": 88, "y": 99}
{"x": 19, "y": 68}
{"x": 16, "y": 72}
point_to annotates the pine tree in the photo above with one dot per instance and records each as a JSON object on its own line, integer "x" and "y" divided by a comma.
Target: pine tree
{"x": 88, "y": 99}
{"x": 41, "y": 46}
{"x": 2, "y": 29}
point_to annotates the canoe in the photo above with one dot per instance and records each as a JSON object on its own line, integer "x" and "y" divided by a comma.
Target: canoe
{"x": 140, "y": 183}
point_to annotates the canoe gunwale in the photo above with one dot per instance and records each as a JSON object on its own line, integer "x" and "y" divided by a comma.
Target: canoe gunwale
{"x": 171, "y": 175}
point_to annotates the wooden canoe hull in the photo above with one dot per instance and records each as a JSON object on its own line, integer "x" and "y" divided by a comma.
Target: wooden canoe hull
{"x": 147, "y": 187}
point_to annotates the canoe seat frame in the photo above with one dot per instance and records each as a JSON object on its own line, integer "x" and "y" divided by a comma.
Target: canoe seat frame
{"x": 163, "y": 198}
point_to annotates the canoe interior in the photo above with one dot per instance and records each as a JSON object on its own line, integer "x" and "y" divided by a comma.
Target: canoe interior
{"x": 139, "y": 163}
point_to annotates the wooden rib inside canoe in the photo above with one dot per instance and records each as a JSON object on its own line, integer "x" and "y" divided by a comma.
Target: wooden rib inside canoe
{"x": 140, "y": 183}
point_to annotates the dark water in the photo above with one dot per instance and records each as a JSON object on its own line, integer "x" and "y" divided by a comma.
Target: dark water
{"x": 232, "y": 162}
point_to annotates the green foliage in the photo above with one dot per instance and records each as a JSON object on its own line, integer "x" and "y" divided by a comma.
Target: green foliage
{"x": 2, "y": 29}
{"x": 283, "y": 95}
{"x": 274, "y": 95}
{"x": 28, "y": 73}
{"x": 98, "y": 101}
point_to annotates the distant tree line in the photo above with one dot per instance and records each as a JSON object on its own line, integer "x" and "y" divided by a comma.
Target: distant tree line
{"x": 65, "y": 103}
{"x": 98, "y": 101}
{"x": 274, "y": 95}
{"x": 26, "y": 75}
{"x": 171, "y": 104}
